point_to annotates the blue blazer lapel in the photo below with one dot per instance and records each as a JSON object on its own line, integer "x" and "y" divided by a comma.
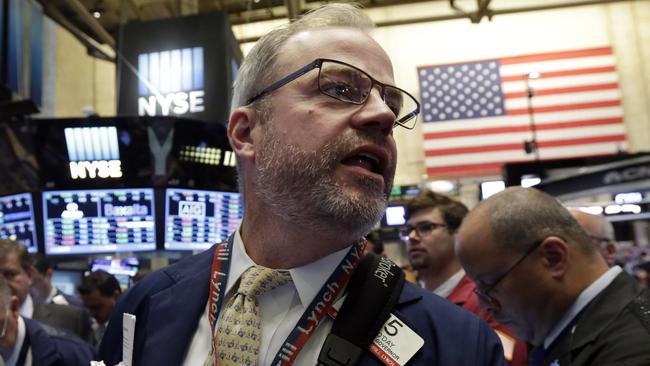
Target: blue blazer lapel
{"x": 174, "y": 313}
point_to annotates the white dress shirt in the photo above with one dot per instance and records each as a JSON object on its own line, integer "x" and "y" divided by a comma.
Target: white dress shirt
{"x": 27, "y": 307}
{"x": 280, "y": 308}
{"x": 20, "y": 339}
{"x": 447, "y": 287}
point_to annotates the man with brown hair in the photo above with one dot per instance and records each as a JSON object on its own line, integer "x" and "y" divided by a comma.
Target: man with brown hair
{"x": 432, "y": 221}
{"x": 16, "y": 267}
{"x": 600, "y": 231}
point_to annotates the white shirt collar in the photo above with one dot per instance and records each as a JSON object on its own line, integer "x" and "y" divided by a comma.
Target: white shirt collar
{"x": 20, "y": 338}
{"x": 447, "y": 287}
{"x": 581, "y": 302}
{"x": 27, "y": 307}
{"x": 307, "y": 279}
{"x": 49, "y": 297}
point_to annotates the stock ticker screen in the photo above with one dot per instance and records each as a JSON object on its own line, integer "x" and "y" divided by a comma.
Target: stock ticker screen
{"x": 95, "y": 221}
{"x": 17, "y": 219}
{"x": 197, "y": 219}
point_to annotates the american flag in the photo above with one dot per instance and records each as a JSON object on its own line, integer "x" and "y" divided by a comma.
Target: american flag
{"x": 476, "y": 115}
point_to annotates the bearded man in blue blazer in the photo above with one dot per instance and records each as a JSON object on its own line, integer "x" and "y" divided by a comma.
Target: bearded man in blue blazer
{"x": 311, "y": 123}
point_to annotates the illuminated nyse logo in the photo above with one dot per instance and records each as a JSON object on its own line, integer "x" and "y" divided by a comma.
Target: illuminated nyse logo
{"x": 93, "y": 152}
{"x": 171, "y": 82}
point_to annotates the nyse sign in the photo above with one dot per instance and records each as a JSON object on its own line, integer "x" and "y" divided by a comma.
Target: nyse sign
{"x": 96, "y": 169}
{"x": 171, "y": 82}
{"x": 93, "y": 152}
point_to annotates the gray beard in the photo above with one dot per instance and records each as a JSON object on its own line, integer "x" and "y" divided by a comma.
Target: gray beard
{"x": 299, "y": 187}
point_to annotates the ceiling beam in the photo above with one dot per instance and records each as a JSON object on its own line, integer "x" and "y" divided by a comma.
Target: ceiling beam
{"x": 293, "y": 9}
{"x": 91, "y": 22}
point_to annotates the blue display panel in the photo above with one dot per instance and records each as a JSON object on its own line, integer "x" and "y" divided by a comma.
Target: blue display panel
{"x": 17, "y": 219}
{"x": 95, "y": 221}
{"x": 122, "y": 268}
{"x": 196, "y": 219}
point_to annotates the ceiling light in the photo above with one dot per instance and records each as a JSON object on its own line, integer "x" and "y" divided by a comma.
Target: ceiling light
{"x": 97, "y": 14}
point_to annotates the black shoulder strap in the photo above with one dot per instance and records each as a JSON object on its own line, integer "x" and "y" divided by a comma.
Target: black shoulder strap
{"x": 372, "y": 294}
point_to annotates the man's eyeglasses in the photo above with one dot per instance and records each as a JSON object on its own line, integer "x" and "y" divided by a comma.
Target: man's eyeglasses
{"x": 602, "y": 240}
{"x": 352, "y": 85}
{"x": 422, "y": 229}
{"x": 484, "y": 294}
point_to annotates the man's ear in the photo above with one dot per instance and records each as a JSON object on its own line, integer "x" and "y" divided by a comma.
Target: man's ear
{"x": 240, "y": 128}
{"x": 31, "y": 271}
{"x": 555, "y": 252}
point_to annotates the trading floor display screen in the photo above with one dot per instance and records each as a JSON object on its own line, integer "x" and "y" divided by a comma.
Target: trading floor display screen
{"x": 17, "y": 220}
{"x": 196, "y": 219}
{"x": 95, "y": 221}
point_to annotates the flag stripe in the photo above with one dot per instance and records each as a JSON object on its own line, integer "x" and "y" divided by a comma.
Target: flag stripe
{"x": 551, "y": 74}
{"x": 561, "y": 81}
{"x": 524, "y": 128}
{"x": 556, "y": 55}
{"x": 519, "y": 154}
{"x": 573, "y": 89}
{"x": 577, "y": 110}
{"x": 516, "y": 137}
{"x": 567, "y": 107}
{"x": 518, "y": 146}
{"x": 483, "y": 168}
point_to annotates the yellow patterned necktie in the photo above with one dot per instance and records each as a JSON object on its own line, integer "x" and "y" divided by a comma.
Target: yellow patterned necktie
{"x": 237, "y": 339}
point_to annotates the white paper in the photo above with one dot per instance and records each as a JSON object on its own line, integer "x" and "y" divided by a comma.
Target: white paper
{"x": 128, "y": 337}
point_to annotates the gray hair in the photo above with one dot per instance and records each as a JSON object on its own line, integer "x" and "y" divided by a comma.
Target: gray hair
{"x": 607, "y": 229}
{"x": 258, "y": 69}
{"x": 520, "y": 217}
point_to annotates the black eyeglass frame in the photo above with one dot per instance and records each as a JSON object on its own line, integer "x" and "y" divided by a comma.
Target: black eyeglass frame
{"x": 600, "y": 239}
{"x": 485, "y": 293}
{"x": 316, "y": 64}
{"x": 434, "y": 226}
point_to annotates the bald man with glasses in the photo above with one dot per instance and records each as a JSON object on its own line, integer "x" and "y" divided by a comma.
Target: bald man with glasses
{"x": 600, "y": 231}
{"x": 537, "y": 271}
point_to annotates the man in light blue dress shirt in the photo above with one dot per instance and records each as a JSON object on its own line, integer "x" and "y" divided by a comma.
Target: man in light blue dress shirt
{"x": 537, "y": 271}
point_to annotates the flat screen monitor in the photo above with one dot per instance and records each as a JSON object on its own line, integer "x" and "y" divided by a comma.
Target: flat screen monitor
{"x": 67, "y": 281}
{"x": 98, "y": 221}
{"x": 116, "y": 266}
{"x": 123, "y": 269}
{"x": 394, "y": 216}
{"x": 197, "y": 219}
{"x": 491, "y": 187}
{"x": 17, "y": 220}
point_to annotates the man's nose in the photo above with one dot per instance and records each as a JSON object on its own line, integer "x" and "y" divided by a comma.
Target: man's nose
{"x": 375, "y": 114}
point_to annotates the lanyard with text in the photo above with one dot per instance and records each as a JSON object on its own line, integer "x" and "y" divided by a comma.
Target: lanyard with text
{"x": 312, "y": 316}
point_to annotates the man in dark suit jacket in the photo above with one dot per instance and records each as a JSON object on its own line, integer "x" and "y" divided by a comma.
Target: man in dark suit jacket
{"x": 67, "y": 317}
{"x": 43, "y": 291}
{"x": 168, "y": 305}
{"x": 23, "y": 340}
{"x": 16, "y": 267}
{"x": 316, "y": 159}
{"x": 538, "y": 272}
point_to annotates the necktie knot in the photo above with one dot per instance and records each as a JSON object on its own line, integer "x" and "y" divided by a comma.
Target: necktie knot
{"x": 237, "y": 339}
{"x": 258, "y": 280}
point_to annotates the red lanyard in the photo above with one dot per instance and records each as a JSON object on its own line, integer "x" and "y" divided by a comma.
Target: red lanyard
{"x": 312, "y": 316}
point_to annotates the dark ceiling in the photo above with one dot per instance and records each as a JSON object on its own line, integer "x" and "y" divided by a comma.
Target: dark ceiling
{"x": 97, "y": 22}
